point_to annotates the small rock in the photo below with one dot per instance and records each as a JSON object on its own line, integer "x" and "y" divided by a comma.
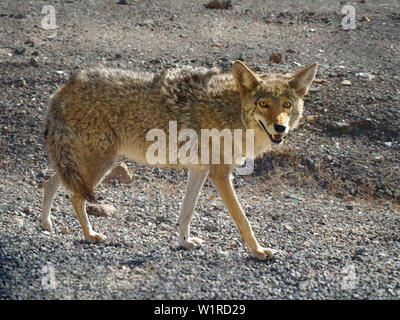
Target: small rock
{"x": 242, "y": 57}
{"x": 35, "y": 53}
{"x": 223, "y": 253}
{"x": 288, "y": 227}
{"x": 365, "y": 75}
{"x": 314, "y": 89}
{"x": 379, "y": 159}
{"x": 291, "y": 196}
{"x": 365, "y": 19}
{"x": 290, "y": 51}
{"x": 122, "y": 2}
{"x": 339, "y": 127}
{"x": 360, "y": 251}
{"x": 345, "y": 83}
{"x": 320, "y": 81}
{"x": 19, "y": 222}
{"x": 388, "y": 144}
{"x": 19, "y": 16}
{"x": 216, "y": 44}
{"x": 131, "y": 218}
{"x": 215, "y": 207}
{"x": 276, "y": 57}
{"x": 219, "y": 4}
{"x": 312, "y": 119}
{"x": 19, "y": 51}
{"x": 33, "y": 62}
{"x": 27, "y": 210}
{"x": 120, "y": 173}
{"x": 21, "y": 83}
{"x": 211, "y": 228}
{"x": 101, "y": 210}
{"x": 211, "y": 197}
{"x": 365, "y": 123}
{"x": 64, "y": 230}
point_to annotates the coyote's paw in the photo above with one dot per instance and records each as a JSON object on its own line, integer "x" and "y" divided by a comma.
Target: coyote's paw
{"x": 265, "y": 253}
{"x": 190, "y": 243}
{"x": 47, "y": 225}
{"x": 95, "y": 237}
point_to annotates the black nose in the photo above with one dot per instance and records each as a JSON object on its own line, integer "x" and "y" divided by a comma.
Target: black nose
{"x": 279, "y": 128}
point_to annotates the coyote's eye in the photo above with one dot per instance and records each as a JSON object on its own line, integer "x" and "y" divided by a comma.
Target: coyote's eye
{"x": 287, "y": 104}
{"x": 263, "y": 104}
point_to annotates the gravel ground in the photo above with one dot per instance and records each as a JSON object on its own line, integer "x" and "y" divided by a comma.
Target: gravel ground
{"x": 329, "y": 199}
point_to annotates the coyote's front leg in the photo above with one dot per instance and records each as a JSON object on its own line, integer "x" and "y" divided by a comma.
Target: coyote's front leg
{"x": 225, "y": 188}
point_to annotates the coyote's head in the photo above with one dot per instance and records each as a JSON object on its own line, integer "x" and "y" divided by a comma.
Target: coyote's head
{"x": 273, "y": 101}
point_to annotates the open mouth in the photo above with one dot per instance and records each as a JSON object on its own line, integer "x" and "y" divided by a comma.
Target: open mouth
{"x": 276, "y": 138}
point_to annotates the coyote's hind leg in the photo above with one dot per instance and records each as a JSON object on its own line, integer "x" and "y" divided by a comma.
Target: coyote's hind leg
{"x": 50, "y": 188}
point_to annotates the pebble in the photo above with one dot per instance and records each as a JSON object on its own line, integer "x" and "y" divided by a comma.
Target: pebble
{"x": 65, "y": 230}
{"x": 219, "y": 4}
{"x": 276, "y": 57}
{"x": 19, "y": 51}
{"x": 339, "y": 127}
{"x": 379, "y": 159}
{"x": 293, "y": 197}
{"x": 345, "y": 83}
{"x": 312, "y": 118}
{"x": 27, "y": 210}
{"x": 366, "y": 76}
{"x": 288, "y": 227}
{"x": 120, "y": 173}
{"x": 211, "y": 228}
{"x": 101, "y": 210}
{"x": 223, "y": 253}
{"x": 33, "y": 62}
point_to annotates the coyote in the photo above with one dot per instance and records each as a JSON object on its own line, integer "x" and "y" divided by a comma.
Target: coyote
{"x": 100, "y": 114}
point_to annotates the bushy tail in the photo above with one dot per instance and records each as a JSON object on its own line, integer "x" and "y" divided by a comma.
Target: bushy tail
{"x": 74, "y": 181}
{"x": 65, "y": 152}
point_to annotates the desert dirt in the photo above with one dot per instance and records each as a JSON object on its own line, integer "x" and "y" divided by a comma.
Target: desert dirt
{"x": 328, "y": 199}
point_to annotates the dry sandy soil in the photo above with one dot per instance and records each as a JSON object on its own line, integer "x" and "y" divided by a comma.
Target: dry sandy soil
{"x": 328, "y": 199}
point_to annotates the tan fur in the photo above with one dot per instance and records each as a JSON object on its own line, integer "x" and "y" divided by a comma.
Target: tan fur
{"x": 100, "y": 114}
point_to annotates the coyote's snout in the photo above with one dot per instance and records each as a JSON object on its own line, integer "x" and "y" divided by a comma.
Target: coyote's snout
{"x": 100, "y": 114}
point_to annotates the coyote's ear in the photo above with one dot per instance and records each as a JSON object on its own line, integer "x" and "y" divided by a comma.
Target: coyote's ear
{"x": 245, "y": 79}
{"x": 302, "y": 79}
